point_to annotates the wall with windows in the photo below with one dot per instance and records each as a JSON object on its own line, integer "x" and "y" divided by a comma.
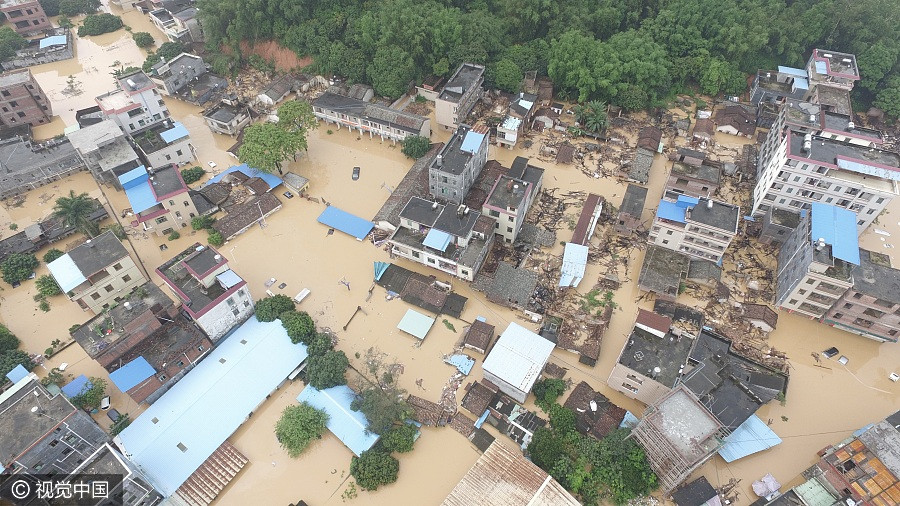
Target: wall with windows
{"x": 231, "y": 311}
{"x": 108, "y": 286}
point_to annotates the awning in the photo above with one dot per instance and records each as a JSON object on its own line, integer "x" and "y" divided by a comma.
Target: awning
{"x": 67, "y": 275}
{"x": 437, "y": 239}
{"x": 132, "y": 374}
{"x": 346, "y": 222}
{"x": 415, "y": 324}
{"x": 76, "y": 386}
{"x": 228, "y": 279}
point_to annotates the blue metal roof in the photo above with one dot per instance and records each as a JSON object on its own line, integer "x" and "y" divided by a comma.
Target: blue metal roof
{"x": 864, "y": 168}
{"x": 54, "y": 40}
{"x": 346, "y": 222}
{"x": 801, "y": 83}
{"x": 838, "y": 227}
{"x": 173, "y": 134}
{"x": 228, "y": 279}
{"x": 792, "y": 71}
{"x": 66, "y": 273}
{"x": 141, "y": 197}
{"x": 574, "y": 263}
{"x": 17, "y": 373}
{"x": 346, "y": 424}
{"x": 471, "y": 142}
{"x": 76, "y": 386}
{"x": 437, "y": 239}
{"x": 630, "y": 421}
{"x": 134, "y": 177}
{"x": 132, "y": 374}
{"x": 821, "y": 67}
{"x": 751, "y": 437}
{"x": 380, "y": 267}
{"x": 178, "y": 432}
{"x": 463, "y": 363}
{"x": 686, "y": 201}
{"x": 415, "y": 324}
{"x": 670, "y": 211}
{"x": 271, "y": 179}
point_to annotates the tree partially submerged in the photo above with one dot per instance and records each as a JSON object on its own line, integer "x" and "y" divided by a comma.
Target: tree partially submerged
{"x": 373, "y": 469}
{"x": 90, "y": 396}
{"x": 416, "y": 146}
{"x": 399, "y": 438}
{"x": 75, "y": 211}
{"x": 270, "y": 308}
{"x": 299, "y": 426}
{"x": 327, "y": 370}
{"x": 267, "y": 145}
{"x": 299, "y": 325}
{"x": 18, "y": 267}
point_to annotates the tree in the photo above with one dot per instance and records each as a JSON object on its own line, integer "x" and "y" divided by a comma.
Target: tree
{"x": 507, "y": 76}
{"x": 18, "y": 266}
{"x": 167, "y": 51}
{"x": 320, "y": 344}
{"x": 299, "y": 325}
{"x": 400, "y": 438}
{"x": 297, "y": 116}
{"x": 98, "y": 24}
{"x": 416, "y": 146}
{"x": 327, "y": 370}
{"x": 391, "y": 71}
{"x": 52, "y": 254}
{"x": 299, "y": 426}
{"x": 192, "y": 175}
{"x": 51, "y": 7}
{"x": 47, "y": 286}
{"x": 720, "y": 76}
{"x": 622, "y": 466}
{"x": 373, "y": 469}
{"x": 75, "y": 211}
{"x": 71, "y": 8}
{"x": 266, "y": 146}
{"x": 383, "y": 408}
{"x": 270, "y": 308}
{"x": 10, "y": 359}
{"x": 10, "y": 42}
{"x": 592, "y": 116}
{"x": 143, "y": 39}
{"x": 202, "y": 222}
{"x": 888, "y": 98}
{"x": 215, "y": 238}
{"x": 90, "y": 396}
{"x": 562, "y": 420}
{"x": 8, "y": 340}
{"x": 119, "y": 425}
{"x": 547, "y": 390}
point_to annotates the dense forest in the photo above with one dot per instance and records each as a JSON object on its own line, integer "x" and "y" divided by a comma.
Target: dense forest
{"x": 633, "y": 53}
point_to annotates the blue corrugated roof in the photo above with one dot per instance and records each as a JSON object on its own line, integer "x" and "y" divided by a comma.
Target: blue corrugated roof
{"x": 53, "y": 40}
{"x": 792, "y": 71}
{"x": 415, "y": 324}
{"x": 141, "y": 197}
{"x": 134, "y": 177}
{"x": 462, "y": 363}
{"x": 17, "y": 373}
{"x": 271, "y": 179}
{"x": 751, "y": 437}
{"x": 66, "y": 273}
{"x": 173, "y": 134}
{"x": 801, "y": 83}
{"x": 670, "y": 211}
{"x": 76, "y": 386}
{"x": 821, "y": 67}
{"x": 686, "y": 201}
{"x": 228, "y": 278}
{"x": 132, "y": 374}
{"x": 437, "y": 239}
{"x": 205, "y": 407}
{"x": 574, "y": 263}
{"x": 380, "y": 267}
{"x": 346, "y": 424}
{"x": 838, "y": 227}
{"x": 346, "y": 222}
{"x": 630, "y": 421}
{"x": 471, "y": 142}
{"x": 861, "y": 430}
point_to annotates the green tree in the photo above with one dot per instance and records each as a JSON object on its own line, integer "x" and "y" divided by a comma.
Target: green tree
{"x": 202, "y": 222}
{"x": 373, "y": 469}
{"x": 47, "y": 286}
{"x": 215, "y": 238}
{"x": 10, "y": 42}
{"x": 119, "y": 425}
{"x": 98, "y": 24}
{"x": 10, "y": 359}
{"x": 876, "y": 62}
{"x": 52, "y": 254}
{"x": 75, "y": 211}
{"x": 562, "y": 420}
{"x": 320, "y": 344}
{"x": 547, "y": 390}
{"x": 266, "y": 146}
{"x": 143, "y": 39}
{"x": 507, "y": 76}
{"x": 8, "y": 340}
{"x": 416, "y": 146}
{"x": 90, "y": 396}
{"x": 167, "y": 50}
{"x": 18, "y": 267}
{"x": 721, "y": 76}
{"x": 391, "y": 71}
{"x": 270, "y": 308}
{"x": 383, "y": 408}
{"x": 399, "y": 438}
{"x": 51, "y": 7}
{"x": 621, "y": 465}
{"x": 192, "y": 174}
{"x": 327, "y": 370}
{"x": 299, "y": 426}
{"x": 297, "y": 116}
{"x": 592, "y": 116}
{"x": 888, "y": 98}
{"x": 299, "y": 325}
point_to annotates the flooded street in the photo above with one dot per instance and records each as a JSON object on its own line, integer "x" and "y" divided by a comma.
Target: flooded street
{"x": 824, "y": 404}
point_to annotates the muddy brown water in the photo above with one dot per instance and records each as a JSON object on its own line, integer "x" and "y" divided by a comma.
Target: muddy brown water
{"x": 823, "y": 406}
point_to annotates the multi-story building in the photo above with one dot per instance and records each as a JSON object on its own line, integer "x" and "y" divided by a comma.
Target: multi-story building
{"x": 452, "y": 239}
{"x": 27, "y": 16}
{"x": 454, "y": 169}
{"x": 511, "y": 197}
{"x": 797, "y": 169}
{"x": 814, "y": 119}
{"x": 832, "y": 69}
{"x": 777, "y": 225}
{"x": 97, "y": 273}
{"x": 177, "y": 73}
{"x": 136, "y": 105}
{"x": 871, "y": 306}
{"x": 345, "y": 109}
{"x": 22, "y": 101}
{"x": 695, "y": 180}
{"x": 165, "y": 144}
{"x": 815, "y": 264}
{"x": 212, "y": 294}
{"x": 160, "y": 201}
{"x": 105, "y": 150}
{"x": 134, "y": 488}
{"x": 702, "y": 228}
{"x": 227, "y": 117}
{"x": 629, "y": 218}
{"x": 459, "y": 95}
{"x": 521, "y": 112}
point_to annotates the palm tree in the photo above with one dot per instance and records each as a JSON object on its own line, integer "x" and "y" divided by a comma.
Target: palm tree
{"x": 75, "y": 211}
{"x": 592, "y": 116}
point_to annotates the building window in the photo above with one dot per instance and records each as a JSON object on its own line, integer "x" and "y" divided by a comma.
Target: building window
{"x": 181, "y": 363}
{"x": 108, "y": 288}
{"x": 792, "y": 302}
{"x": 857, "y": 295}
{"x": 430, "y": 260}
{"x": 54, "y": 443}
{"x": 415, "y": 254}
{"x": 810, "y": 281}
{"x": 161, "y": 220}
{"x": 95, "y": 295}
{"x": 235, "y": 311}
{"x": 178, "y": 152}
{"x": 892, "y": 332}
{"x": 509, "y": 229}
{"x": 178, "y": 214}
{"x": 848, "y": 305}
{"x": 186, "y": 204}
{"x": 230, "y": 301}
{"x": 171, "y": 202}
{"x": 874, "y": 313}
{"x": 838, "y": 316}
{"x": 21, "y": 114}
{"x": 163, "y": 377}
{"x": 168, "y": 157}
{"x": 117, "y": 267}
{"x": 200, "y": 348}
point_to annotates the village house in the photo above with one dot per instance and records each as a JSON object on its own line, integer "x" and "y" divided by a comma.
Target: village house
{"x": 135, "y": 488}
{"x": 479, "y": 336}
{"x": 871, "y": 306}
{"x": 695, "y": 180}
{"x": 735, "y": 120}
{"x": 815, "y": 264}
{"x": 663, "y": 271}
{"x": 459, "y": 96}
{"x": 57, "y": 45}
{"x": 105, "y": 150}
{"x": 277, "y": 90}
{"x": 701, "y": 228}
{"x": 228, "y": 117}
{"x": 211, "y": 293}
{"x": 454, "y": 169}
{"x": 455, "y": 240}
{"x": 187, "y": 28}
{"x": 135, "y": 105}
{"x": 165, "y": 144}
{"x": 814, "y": 119}
{"x": 760, "y": 316}
{"x": 516, "y": 361}
{"x": 629, "y": 218}
{"x": 27, "y": 17}
{"x": 520, "y": 114}
{"x": 159, "y": 199}
{"x": 696, "y": 493}
{"x": 22, "y": 100}
{"x": 511, "y": 197}
{"x": 773, "y": 87}
{"x": 595, "y": 414}
{"x": 98, "y": 273}
{"x": 648, "y": 145}
{"x": 170, "y": 76}
{"x": 341, "y": 107}
{"x": 52, "y": 229}
{"x": 28, "y": 165}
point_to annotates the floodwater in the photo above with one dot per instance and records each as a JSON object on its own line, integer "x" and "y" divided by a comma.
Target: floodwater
{"x": 824, "y": 403}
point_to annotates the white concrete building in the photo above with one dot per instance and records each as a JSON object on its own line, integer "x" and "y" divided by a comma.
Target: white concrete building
{"x": 459, "y": 95}
{"x": 375, "y": 120}
{"x": 136, "y": 105}
{"x": 516, "y": 361}
{"x": 701, "y": 228}
{"x": 165, "y": 144}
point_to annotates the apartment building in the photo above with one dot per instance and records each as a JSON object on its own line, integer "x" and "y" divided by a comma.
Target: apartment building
{"x": 165, "y": 144}
{"x": 453, "y": 171}
{"x": 212, "y": 294}
{"x": 459, "y": 95}
{"x": 160, "y": 201}
{"x": 511, "y": 197}
{"x": 135, "y": 105}
{"x": 105, "y": 150}
{"x": 340, "y": 107}
{"x": 454, "y": 240}
{"x": 701, "y": 228}
{"x": 815, "y": 264}
{"x": 871, "y": 306}
{"x": 22, "y": 101}
{"x": 177, "y": 73}
{"x": 98, "y": 273}
{"x": 521, "y": 112}
{"x": 26, "y": 16}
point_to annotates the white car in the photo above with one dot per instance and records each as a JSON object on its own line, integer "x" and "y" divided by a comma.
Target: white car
{"x": 212, "y": 164}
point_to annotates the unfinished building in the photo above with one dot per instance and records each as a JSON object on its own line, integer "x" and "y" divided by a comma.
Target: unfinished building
{"x": 629, "y": 217}
{"x": 663, "y": 271}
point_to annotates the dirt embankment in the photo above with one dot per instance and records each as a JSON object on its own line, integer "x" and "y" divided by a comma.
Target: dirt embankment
{"x": 271, "y": 51}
